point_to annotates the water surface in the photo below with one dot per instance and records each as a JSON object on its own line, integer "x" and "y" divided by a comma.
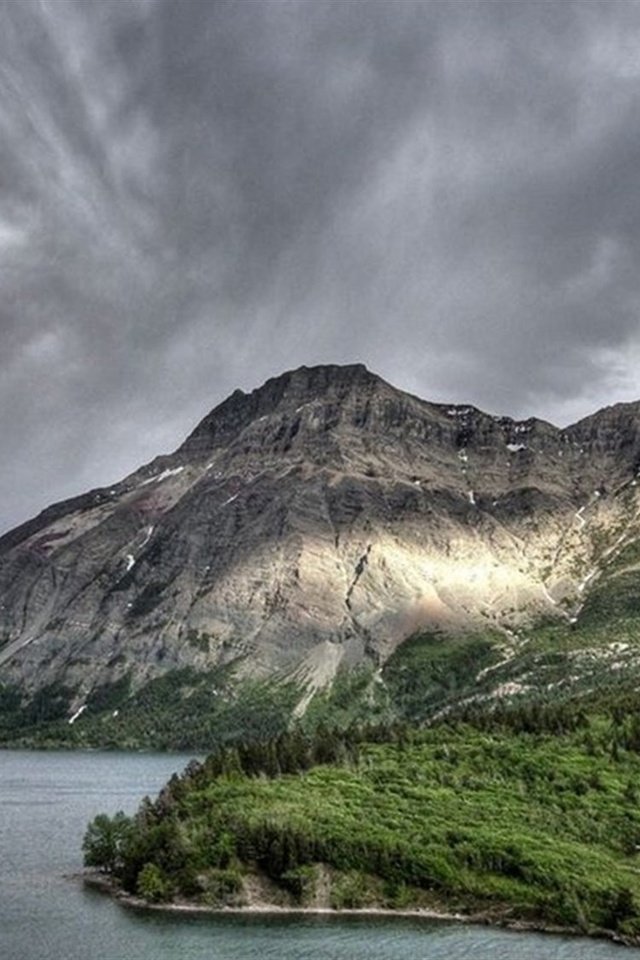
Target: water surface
{"x": 46, "y": 800}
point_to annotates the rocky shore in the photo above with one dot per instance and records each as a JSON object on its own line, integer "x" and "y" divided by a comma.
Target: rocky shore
{"x": 500, "y": 917}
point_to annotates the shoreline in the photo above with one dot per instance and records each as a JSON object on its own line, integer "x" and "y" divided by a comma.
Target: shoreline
{"x": 483, "y": 918}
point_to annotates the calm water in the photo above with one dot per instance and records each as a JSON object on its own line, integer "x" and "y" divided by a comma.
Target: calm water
{"x": 46, "y": 800}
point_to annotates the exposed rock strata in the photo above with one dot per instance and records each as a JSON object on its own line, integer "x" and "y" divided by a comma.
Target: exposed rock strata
{"x": 314, "y": 523}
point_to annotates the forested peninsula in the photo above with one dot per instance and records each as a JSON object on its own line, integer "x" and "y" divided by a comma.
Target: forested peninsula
{"x": 527, "y": 817}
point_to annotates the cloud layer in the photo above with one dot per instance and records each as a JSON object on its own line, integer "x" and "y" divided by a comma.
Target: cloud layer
{"x": 197, "y": 195}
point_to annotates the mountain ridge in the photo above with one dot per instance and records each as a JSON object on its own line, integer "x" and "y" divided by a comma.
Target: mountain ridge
{"x": 310, "y": 527}
{"x": 239, "y": 396}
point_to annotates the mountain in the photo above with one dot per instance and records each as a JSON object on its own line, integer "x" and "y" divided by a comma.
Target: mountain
{"x": 323, "y": 527}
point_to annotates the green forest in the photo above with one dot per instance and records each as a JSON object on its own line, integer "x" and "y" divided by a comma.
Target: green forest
{"x": 529, "y": 814}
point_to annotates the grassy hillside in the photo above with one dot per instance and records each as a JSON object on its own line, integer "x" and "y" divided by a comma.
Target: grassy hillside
{"x": 429, "y": 676}
{"x": 529, "y": 825}
{"x": 182, "y": 710}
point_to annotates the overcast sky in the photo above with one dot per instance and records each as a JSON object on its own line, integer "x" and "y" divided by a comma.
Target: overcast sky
{"x": 197, "y": 195}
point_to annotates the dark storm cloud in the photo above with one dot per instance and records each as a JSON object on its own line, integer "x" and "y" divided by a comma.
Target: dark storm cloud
{"x": 195, "y": 195}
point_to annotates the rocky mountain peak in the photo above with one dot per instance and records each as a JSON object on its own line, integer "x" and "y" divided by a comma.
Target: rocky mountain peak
{"x": 313, "y": 524}
{"x": 283, "y": 395}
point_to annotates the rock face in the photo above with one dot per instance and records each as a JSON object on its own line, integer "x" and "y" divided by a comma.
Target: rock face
{"x": 313, "y": 524}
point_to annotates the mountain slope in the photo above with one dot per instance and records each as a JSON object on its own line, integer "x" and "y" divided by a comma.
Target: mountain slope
{"x": 314, "y": 525}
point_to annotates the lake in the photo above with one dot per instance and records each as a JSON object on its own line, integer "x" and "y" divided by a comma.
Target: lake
{"x": 46, "y": 800}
